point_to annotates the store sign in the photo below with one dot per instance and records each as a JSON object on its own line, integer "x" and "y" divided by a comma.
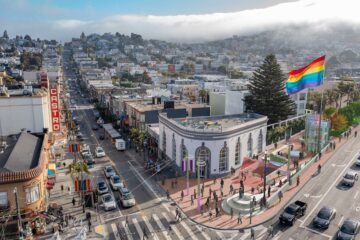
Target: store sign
{"x": 54, "y": 106}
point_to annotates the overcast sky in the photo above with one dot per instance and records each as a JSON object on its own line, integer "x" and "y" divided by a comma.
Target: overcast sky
{"x": 174, "y": 20}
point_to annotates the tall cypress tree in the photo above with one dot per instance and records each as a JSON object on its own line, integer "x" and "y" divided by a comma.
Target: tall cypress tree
{"x": 267, "y": 89}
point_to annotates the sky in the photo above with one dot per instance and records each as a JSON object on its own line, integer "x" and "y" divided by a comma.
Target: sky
{"x": 172, "y": 20}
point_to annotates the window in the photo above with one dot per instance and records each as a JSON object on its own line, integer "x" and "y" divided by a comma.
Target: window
{"x": 260, "y": 142}
{"x": 249, "y": 146}
{"x": 223, "y": 159}
{"x": 237, "y": 152}
{"x": 3, "y": 200}
{"x": 173, "y": 148}
{"x": 301, "y": 106}
{"x": 202, "y": 155}
{"x": 302, "y": 96}
{"x": 32, "y": 194}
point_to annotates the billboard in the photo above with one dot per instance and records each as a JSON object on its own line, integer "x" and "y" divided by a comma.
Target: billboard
{"x": 54, "y": 107}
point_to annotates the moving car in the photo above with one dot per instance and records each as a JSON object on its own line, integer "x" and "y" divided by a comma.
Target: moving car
{"x": 115, "y": 182}
{"x": 349, "y": 179}
{"x": 357, "y": 163}
{"x": 126, "y": 197}
{"x": 109, "y": 171}
{"x": 348, "y": 230}
{"x": 293, "y": 211}
{"x": 323, "y": 218}
{"x": 99, "y": 152}
{"x": 108, "y": 202}
{"x": 102, "y": 187}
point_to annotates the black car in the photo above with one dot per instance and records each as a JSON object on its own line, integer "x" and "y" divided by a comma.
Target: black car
{"x": 324, "y": 217}
{"x": 348, "y": 230}
{"x": 293, "y": 211}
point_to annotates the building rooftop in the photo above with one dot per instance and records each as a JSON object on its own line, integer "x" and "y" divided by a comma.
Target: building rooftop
{"x": 21, "y": 153}
{"x": 217, "y": 123}
{"x": 148, "y": 106}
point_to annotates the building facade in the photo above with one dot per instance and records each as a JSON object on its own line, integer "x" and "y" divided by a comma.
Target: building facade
{"x": 211, "y": 145}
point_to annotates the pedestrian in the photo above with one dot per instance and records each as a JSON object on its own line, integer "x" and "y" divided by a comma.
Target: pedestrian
{"x": 202, "y": 209}
{"x": 231, "y": 212}
{"x": 216, "y": 211}
{"x": 280, "y": 195}
{"x": 176, "y": 214}
{"x": 67, "y": 219}
{"x": 126, "y": 221}
{"x": 334, "y": 145}
{"x": 89, "y": 225}
{"x": 62, "y": 188}
{"x": 167, "y": 194}
{"x": 252, "y": 233}
{"x": 254, "y": 201}
{"x": 280, "y": 183}
{"x": 192, "y": 200}
{"x": 271, "y": 231}
{"x": 222, "y": 194}
{"x": 298, "y": 181}
{"x": 242, "y": 183}
{"x": 275, "y": 145}
{"x": 252, "y": 190}
{"x": 239, "y": 220}
{"x": 210, "y": 191}
{"x": 182, "y": 195}
{"x": 222, "y": 183}
{"x": 210, "y": 214}
{"x": 73, "y": 201}
{"x": 214, "y": 194}
{"x": 231, "y": 189}
{"x": 269, "y": 191}
{"x": 355, "y": 133}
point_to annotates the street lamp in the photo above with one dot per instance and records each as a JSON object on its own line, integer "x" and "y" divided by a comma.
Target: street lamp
{"x": 264, "y": 192}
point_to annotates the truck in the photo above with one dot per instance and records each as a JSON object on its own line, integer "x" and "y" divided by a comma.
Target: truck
{"x": 293, "y": 211}
{"x": 120, "y": 144}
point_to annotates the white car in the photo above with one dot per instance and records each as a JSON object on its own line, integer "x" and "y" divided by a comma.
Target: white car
{"x": 109, "y": 171}
{"x": 357, "y": 163}
{"x": 102, "y": 188}
{"x": 115, "y": 182}
{"x": 126, "y": 197}
{"x": 99, "y": 152}
{"x": 108, "y": 202}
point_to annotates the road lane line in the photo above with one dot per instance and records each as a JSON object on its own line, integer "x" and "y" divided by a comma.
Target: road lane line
{"x": 138, "y": 228}
{"x": 319, "y": 233}
{"x": 151, "y": 229}
{"x": 356, "y": 194}
{"x": 243, "y": 237}
{"x": 127, "y": 231}
{"x": 341, "y": 219}
{"x": 161, "y": 226}
{"x": 115, "y": 231}
{"x": 173, "y": 227}
{"x": 204, "y": 234}
{"x": 330, "y": 188}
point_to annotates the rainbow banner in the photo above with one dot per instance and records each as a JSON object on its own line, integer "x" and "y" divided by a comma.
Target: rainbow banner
{"x": 311, "y": 75}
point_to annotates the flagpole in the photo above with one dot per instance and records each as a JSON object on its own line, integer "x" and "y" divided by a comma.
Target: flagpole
{"x": 320, "y": 113}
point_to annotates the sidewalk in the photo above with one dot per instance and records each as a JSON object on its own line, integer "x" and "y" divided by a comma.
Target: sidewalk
{"x": 225, "y": 221}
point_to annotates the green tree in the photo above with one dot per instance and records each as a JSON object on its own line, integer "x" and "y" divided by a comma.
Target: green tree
{"x": 204, "y": 94}
{"x": 267, "y": 92}
{"x": 76, "y": 168}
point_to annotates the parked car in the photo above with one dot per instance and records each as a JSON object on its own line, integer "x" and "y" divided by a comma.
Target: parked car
{"x": 88, "y": 158}
{"x": 357, "y": 163}
{"x": 85, "y": 149}
{"x": 102, "y": 187}
{"x": 348, "y": 230}
{"x": 99, "y": 152}
{"x": 349, "y": 179}
{"x": 126, "y": 197}
{"x": 293, "y": 211}
{"x": 108, "y": 202}
{"x": 79, "y": 137}
{"x": 115, "y": 182}
{"x": 323, "y": 218}
{"x": 109, "y": 171}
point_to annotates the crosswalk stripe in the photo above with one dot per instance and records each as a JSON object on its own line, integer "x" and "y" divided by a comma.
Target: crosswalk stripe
{"x": 151, "y": 229}
{"x": 115, "y": 231}
{"x": 189, "y": 231}
{"x": 204, "y": 234}
{"x": 173, "y": 227}
{"x": 128, "y": 233}
{"x": 243, "y": 237}
{"x": 161, "y": 226}
{"x": 220, "y": 234}
{"x": 138, "y": 228}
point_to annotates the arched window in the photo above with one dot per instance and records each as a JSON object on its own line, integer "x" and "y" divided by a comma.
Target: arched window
{"x": 237, "y": 152}
{"x": 173, "y": 148}
{"x": 249, "y": 146}
{"x": 223, "y": 159}
{"x": 164, "y": 143}
{"x": 202, "y": 155}
{"x": 260, "y": 142}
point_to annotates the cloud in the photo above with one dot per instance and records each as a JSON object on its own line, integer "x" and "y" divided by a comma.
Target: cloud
{"x": 316, "y": 13}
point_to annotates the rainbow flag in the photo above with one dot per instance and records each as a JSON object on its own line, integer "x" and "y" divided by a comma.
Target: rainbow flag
{"x": 311, "y": 75}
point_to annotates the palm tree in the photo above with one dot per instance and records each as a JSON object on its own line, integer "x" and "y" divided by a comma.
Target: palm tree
{"x": 76, "y": 168}
{"x": 330, "y": 93}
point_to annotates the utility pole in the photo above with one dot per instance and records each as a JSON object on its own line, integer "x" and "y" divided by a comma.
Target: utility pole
{"x": 18, "y": 214}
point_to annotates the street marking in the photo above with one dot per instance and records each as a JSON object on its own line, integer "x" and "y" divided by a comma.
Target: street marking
{"x": 307, "y": 195}
{"x": 128, "y": 233}
{"x": 161, "y": 226}
{"x": 204, "y": 234}
{"x": 356, "y": 194}
{"x": 173, "y": 227}
{"x": 243, "y": 237}
{"x": 138, "y": 228}
{"x": 338, "y": 165}
{"x": 151, "y": 229}
{"x": 341, "y": 219}
{"x": 329, "y": 189}
{"x": 317, "y": 232}
{"x": 186, "y": 227}
{"x": 115, "y": 231}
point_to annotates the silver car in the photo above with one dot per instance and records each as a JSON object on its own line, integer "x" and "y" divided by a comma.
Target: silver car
{"x": 109, "y": 171}
{"x": 102, "y": 188}
{"x": 126, "y": 197}
{"x": 108, "y": 202}
{"x": 115, "y": 182}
